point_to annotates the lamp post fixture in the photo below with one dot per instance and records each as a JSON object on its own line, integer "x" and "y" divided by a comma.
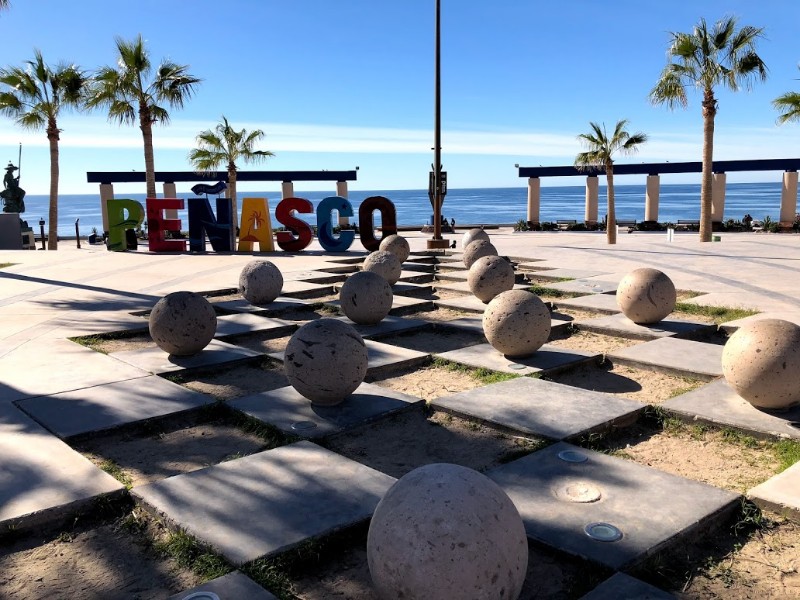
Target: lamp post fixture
{"x": 437, "y": 186}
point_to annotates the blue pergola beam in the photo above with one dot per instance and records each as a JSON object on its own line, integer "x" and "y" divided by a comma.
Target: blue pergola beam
{"x": 718, "y": 166}
{"x": 176, "y": 176}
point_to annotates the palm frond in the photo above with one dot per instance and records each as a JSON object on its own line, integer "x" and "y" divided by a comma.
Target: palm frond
{"x": 788, "y": 104}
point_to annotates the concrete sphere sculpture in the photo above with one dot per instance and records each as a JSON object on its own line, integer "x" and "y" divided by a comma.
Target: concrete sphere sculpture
{"x": 384, "y": 264}
{"x": 182, "y": 323}
{"x": 397, "y": 245}
{"x": 646, "y": 296}
{"x": 761, "y": 362}
{"x": 478, "y": 249}
{"x": 473, "y": 235}
{"x": 516, "y": 323}
{"x": 325, "y": 361}
{"x": 489, "y": 276}
{"x": 260, "y": 282}
{"x": 446, "y": 532}
{"x": 366, "y": 298}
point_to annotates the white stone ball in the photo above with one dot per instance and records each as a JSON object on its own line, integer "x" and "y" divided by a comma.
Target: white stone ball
{"x": 516, "y": 323}
{"x": 366, "y": 298}
{"x": 384, "y": 264}
{"x": 646, "y": 296}
{"x": 761, "y": 362}
{"x": 182, "y": 323}
{"x": 473, "y": 235}
{"x": 489, "y": 276}
{"x": 446, "y": 532}
{"x": 478, "y": 249}
{"x": 325, "y": 361}
{"x": 260, "y": 282}
{"x": 397, "y": 245}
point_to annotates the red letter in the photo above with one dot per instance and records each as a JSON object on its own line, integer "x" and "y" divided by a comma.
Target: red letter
{"x": 366, "y": 225}
{"x": 157, "y": 225}
{"x": 297, "y": 227}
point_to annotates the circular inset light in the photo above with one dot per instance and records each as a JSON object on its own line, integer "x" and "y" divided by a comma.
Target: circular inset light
{"x": 201, "y": 596}
{"x": 303, "y": 425}
{"x": 603, "y": 532}
{"x": 516, "y": 366}
{"x": 579, "y": 492}
{"x": 572, "y": 456}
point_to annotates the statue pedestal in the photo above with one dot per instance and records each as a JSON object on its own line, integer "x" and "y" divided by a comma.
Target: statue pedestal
{"x": 10, "y": 232}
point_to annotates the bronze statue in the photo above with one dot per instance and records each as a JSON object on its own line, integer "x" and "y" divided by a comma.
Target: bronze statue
{"x": 12, "y": 194}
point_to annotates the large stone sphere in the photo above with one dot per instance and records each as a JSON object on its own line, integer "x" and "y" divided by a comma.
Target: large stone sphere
{"x": 182, "y": 323}
{"x": 325, "y": 361}
{"x": 478, "y": 249}
{"x": 445, "y": 532}
{"x": 260, "y": 282}
{"x": 473, "y": 235}
{"x": 761, "y": 361}
{"x": 397, "y": 245}
{"x": 384, "y": 264}
{"x": 646, "y": 296}
{"x": 366, "y": 298}
{"x": 489, "y": 276}
{"x": 516, "y": 323}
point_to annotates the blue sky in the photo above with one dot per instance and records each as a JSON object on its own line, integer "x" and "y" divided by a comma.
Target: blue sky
{"x": 335, "y": 85}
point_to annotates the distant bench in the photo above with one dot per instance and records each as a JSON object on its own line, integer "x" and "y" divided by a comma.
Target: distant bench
{"x": 688, "y": 225}
{"x": 566, "y": 224}
{"x": 631, "y": 225}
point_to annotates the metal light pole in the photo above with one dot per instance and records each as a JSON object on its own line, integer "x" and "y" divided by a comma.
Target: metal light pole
{"x": 436, "y": 189}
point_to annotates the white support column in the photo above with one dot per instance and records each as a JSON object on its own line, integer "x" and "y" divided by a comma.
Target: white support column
{"x": 534, "y": 198}
{"x": 106, "y": 193}
{"x": 789, "y": 198}
{"x": 592, "y": 194}
{"x": 718, "y": 197}
{"x": 170, "y": 192}
{"x": 651, "y": 198}
{"x": 287, "y": 189}
{"x": 341, "y": 190}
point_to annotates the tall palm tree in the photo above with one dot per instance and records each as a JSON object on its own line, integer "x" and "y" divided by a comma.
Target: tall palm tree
{"x": 34, "y": 99}
{"x": 224, "y": 146}
{"x": 132, "y": 91}
{"x": 789, "y": 105}
{"x": 600, "y": 150}
{"x": 707, "y": 58}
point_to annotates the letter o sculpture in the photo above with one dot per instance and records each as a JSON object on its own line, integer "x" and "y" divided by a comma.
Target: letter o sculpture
{"x": 325, "y": 361}
{"x": 446, "y": 532}
{"x": 761, "y": 362}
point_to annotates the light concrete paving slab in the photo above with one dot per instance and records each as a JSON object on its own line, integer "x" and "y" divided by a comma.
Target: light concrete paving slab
{"x": 542, "y": 408}
{"x": 312, "y": 276}
{"x": 305, "y": 289}
{"x": 268, "y": 502}
{"x": 473, "y": 324}
{"x": 244, "y": 323}
{"x": 412, "y": 289}
{"x": 585, "y": 286}
{"x": 601, "y": 303}
{"x": 287, "y": 410}
{"x": 548, "y": 359}
{"x": 41, "y": 478}
{"x": 621, "y": 586}
{"x": 562, "y": 502}
{"x": 233, "y": 586}
{"x": 671, "y": 355}
{"x": 154, "y": 360}
{"x": 462, "y": 287}
{"x": 280, "y": 304}
{"x": 451, "y": 274}
{"x": 621, "y": 326}
{"x": 570, "y": 274}
{"x": 389, "y": 325}
{"x": 58, "y": 365}
{"x": 381, "y": 358}
{"x": 468, "y": 304}
{"x": 400, "y": 305}
{"x": 718, "y": 404}
{"x": 111, "y": 405}
{"x": 781, "y": 493}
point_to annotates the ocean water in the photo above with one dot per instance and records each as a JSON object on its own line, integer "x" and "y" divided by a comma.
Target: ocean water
{"x": 467, "y": 206}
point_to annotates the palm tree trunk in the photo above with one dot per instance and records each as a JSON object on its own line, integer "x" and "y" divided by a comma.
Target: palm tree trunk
{"x": 232, "y": 187}
{"x": 52, "y": 228}
{"x": 149, "y": 163}
{"x": 709, "y": 112}
{"x": 611, "y": 221}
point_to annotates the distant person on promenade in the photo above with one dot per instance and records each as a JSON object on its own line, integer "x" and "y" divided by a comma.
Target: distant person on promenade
{"x": 747, "y": 220}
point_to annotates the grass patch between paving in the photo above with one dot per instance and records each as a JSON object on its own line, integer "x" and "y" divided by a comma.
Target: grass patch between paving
{"x": 190, "y": 554}
{"x": 720, "y": 314}
{"x": 485, "y": 376}
{"x": 117, "y": 472}
{"x": 542, "y": 290}
{"x": 4, "y": 265}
